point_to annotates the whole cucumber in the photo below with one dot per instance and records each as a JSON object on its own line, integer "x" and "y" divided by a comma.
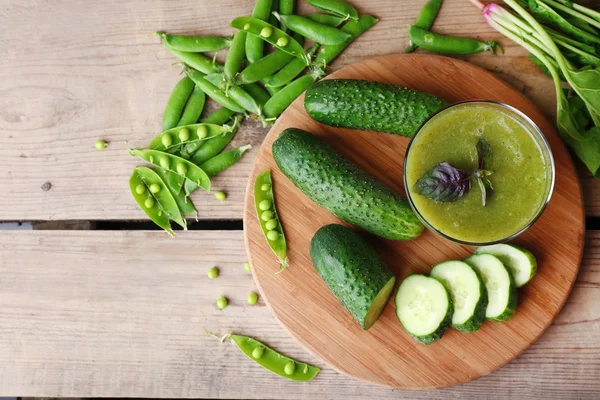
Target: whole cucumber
{"x": 353, "y": 272}
{"x": 374, "y": 106}
{"x": 343, "y": 188}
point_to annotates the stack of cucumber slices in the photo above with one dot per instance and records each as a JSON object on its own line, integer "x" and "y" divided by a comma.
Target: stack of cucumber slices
{"x": 464, "y": 293}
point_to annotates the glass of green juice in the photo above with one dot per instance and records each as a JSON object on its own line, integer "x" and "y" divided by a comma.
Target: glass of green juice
{"x": 521, "y": 172}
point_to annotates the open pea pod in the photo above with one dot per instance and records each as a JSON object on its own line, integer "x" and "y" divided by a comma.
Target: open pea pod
{"x": 264, "y": 201}
{"x": 186, "y": 170}
{"x": 274, "y": 361}
{"x": 173, "y": 140}
{"x": 186, "y": 207}
{"x": 162, "y": 195}
{"x": 272, "y": 35}
{"x": 141, "y": 194}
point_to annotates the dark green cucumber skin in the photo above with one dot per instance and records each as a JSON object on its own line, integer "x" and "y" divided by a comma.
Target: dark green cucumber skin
{"x": 352, "y": 270}
{"x": 343, "y": 188}
{"x": 374, "y": 106}
{"x": 475, "y": 322}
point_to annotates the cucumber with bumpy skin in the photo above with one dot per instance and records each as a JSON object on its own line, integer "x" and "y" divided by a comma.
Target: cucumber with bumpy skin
{"x": 353, "y": 271}
{"x": 468, "y": 292}
{"x": 424, "y": 308}
{"x": 519, "y": 261}
{"x": 343, "y": 188}
{"x": 500, "y": 286}
{"x": 375, "y": 106}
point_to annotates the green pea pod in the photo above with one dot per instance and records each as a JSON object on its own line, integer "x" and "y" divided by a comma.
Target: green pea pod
{"x": 141, "y": 194}
{"x": 447, "y": 44}
{"x": 215, "y": 145}
{"x": 184, "y": 168}
{"x": 272, "y": 90}
{"x": 326, "y": 19}
{"x": 193, "y": 108}
{"x": 286, "y": 7}
{"x": 211, "y": 90}
{"x": 258, "y": 93}
{"x": 313, "y": 30}
{"x": 271, "y": 34}
{"x": 255, "y": 45}
{"x": 425, "y": 19}
{"x": 290, "y": 71}
{"x": 162, "y": 195}
{"x": 197, "y": 61}
{"x": 221, "y": 162}
{"x": 235, "y": 55}
{"x": 282, "y": 99}
{"x": 179, "y": 96}
{"x": 274, "y": 361}
{"x": 218, "y": 117}
{"x": 355, "y": 28}
{"x": 173, "y": 138}
{"x": 194, "y": 44}
{"x": 264, "y": 67}
{"x": 236, "y": 93}
{"x": 336, "y": 7}
{"x": 186, "y": 207}
{"x": 264, "y": 201}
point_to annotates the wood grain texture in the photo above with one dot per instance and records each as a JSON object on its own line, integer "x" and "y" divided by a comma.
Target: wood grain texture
{"x": 64, "y": 83}
{"x": 123, "y": 314}
{"x": 385, "y": 354}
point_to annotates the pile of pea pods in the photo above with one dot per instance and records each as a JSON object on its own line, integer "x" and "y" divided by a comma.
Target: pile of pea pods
{"x": 268, "y": 65}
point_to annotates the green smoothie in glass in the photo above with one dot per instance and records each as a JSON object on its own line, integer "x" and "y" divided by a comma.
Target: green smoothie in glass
{"x": 479, "y": 172}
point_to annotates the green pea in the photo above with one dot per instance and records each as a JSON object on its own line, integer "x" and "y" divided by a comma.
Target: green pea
{"x": 220, "y": 196}
{"x": 266, "y": 32}
{"x": 166, "y": 140}
{"x": 165, "y": 162}
{"x": 258, "y": 352}
{"x": 149, "y": 203}
{"x": 265, "y": 205}
{"x": 222, "y": 302}
{"x": 282, "y": 42}
{"x": 213, "y": 273}
{"x": 154, "y": 188}
{"x": 247, "y": 267}
{"x": 272, "y": 235}
{"x": 265, "y": 187}
{"x": 202, "y": 131}
{"x": 289, "y": 368}
{"x": 246, "y": 27}
{"x": 271, "y": 224}
{"x": 100, "y": 144}
{"x": 140, "y": 189}
{"x": 181, "y": 169}
{"x": 252, "y": 298}
{"x": 267, "y": 215}
{"x": 159, "y": 213}
{"x": 184, "y": 134}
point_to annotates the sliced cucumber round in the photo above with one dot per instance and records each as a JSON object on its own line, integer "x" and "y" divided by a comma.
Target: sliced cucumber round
{"x": 520, "y": 262}
{"x": 468, "y": 293}
{"x": 500, "y": 286}
{"x": 424, "y": 308}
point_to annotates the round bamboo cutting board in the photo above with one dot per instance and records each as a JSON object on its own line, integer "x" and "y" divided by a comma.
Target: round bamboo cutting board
{"x": 385, "y": 354}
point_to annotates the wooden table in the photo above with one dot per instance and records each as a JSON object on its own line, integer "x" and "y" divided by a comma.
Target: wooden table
{"x": 113, "y": 310}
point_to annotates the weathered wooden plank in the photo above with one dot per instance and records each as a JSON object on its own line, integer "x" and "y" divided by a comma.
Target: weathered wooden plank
{"x": 123, "y": 314}
{"x": 64, "y": 84}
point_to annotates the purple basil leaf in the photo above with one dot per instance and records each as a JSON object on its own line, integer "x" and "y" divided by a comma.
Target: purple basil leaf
{"x": 484, "y": 153}
{"x": 443, "y": 183}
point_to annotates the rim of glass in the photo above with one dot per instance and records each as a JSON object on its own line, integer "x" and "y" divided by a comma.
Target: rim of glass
{"x": 543, "y": 142}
